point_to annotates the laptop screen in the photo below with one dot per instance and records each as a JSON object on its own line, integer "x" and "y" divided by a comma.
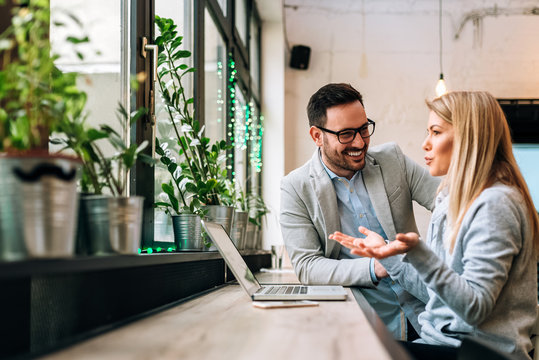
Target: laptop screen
{"x": 232, "y": 256}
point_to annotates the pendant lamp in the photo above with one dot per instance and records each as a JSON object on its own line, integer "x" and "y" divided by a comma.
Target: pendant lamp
{"x": 440, "y": 86}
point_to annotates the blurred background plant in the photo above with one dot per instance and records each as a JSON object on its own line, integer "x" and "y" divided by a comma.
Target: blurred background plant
{"x": 34, "y": 94}
{"x": 99, "y": 170}
{"x": 257, "y": 209}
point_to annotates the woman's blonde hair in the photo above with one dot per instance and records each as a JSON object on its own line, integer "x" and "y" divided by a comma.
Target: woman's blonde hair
{"x": 482, "y": 154}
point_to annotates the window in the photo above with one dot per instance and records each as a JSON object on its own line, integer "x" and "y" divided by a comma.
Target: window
{"x": 254, "y": 54}
{"x": 241, "y": 19}
{"x": 100, "y": 61}
{"x": 180, "y": 12}
{"x": 239, "y": 135}
{"x": 255, "y": 130}
{"x": 222, "y": 4}
{"x": 218, "y": 34}
{"x": 215, "y": 76}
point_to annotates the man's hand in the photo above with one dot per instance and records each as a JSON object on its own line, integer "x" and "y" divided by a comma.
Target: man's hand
{"x": 380, "y": 270}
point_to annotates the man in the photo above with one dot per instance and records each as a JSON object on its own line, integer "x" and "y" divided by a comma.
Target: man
{"x": 343, "y": 187}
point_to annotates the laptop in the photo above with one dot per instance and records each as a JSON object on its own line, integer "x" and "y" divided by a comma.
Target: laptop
{"x": 250, "y": 284}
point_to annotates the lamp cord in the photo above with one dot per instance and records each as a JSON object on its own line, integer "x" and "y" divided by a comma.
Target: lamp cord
{"x": 287, "y": 44}
{"x": 440, "y": 35}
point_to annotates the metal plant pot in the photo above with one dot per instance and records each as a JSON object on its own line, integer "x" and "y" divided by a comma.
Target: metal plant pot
{"x": 125, "y": 228}
{"x": 258, "y": 237}
{"x": 187, "y": 235}
{"x": 250, "y": 235}
{"x": 219, "y": 214}
{"x": 38, "y": 206}
{"x": 252, "y": 243}
{"x": 93, "y": 227}
{"x": 239, "y": 227}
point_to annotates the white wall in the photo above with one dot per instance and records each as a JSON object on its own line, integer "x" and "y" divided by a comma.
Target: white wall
{"x": 389, "y": 51}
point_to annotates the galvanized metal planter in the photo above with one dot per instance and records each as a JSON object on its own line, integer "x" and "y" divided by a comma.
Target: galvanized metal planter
{"x": 239, "y": 227}
{"x": 187, "y": 235}
{"x": 258, "y": 238}
{"x": 38, "y": 206}
{"x": 93, "y": 226}
{"x": 222, "y": 215}
{"x": 109, "y": 225}
{"x": 125, "y": 228}
{"x": 253, "y": 241}
{"x": 250, "y": 235}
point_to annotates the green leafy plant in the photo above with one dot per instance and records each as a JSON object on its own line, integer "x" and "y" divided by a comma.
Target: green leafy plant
{"x": 257, "y": 209}
{"x": 34, "y": 93}
{"x": 199, "y": 176}
{"x": 240, "y": 200}
{"x": 101, "y": 171}
{"x": 185, "y": 203}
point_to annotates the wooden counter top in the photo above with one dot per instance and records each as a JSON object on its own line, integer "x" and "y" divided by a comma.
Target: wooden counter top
{"x": 224, "y": 325}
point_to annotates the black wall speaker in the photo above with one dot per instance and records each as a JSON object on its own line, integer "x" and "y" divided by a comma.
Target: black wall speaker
{"x": 299, "y": 59}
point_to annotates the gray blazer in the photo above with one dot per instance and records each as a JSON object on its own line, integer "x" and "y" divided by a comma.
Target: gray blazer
{"x": 309, "y": 213}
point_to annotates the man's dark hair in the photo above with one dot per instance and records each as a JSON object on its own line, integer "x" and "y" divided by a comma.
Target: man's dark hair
{"x": 328, "y": 96}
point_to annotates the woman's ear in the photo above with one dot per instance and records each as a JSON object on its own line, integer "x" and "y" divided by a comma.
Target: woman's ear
{"x": 316, "y": 134}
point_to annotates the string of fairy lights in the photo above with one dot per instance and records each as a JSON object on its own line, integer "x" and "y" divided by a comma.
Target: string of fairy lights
{"x": 220, "y": 100}
{"x": 245, "y": 127}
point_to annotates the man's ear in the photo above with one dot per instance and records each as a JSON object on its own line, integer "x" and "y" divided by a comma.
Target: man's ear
{"x": 316, "y": 134}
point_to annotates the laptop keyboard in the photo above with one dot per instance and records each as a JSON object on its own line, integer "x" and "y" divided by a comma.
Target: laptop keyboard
{"x": 286, "y": 290}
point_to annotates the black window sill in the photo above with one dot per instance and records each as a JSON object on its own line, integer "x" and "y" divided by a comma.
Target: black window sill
{"x": 31, "y": 267}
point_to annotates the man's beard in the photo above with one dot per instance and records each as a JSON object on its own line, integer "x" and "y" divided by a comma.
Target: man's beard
{"x": 338, "y": 160}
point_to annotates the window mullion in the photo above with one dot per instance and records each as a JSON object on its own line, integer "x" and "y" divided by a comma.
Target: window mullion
{"x": 198, "y": 91}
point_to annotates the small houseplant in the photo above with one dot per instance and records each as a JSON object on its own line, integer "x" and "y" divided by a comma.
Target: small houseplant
{"x": 112, "y": 223}
{"x": 38, "y": 188}
{"x": 185, "y": 209}
{"x": 257, "y": 213}
{"x": 198, "y": 183}
{"x": 100, "y": 171}
{"x": 238, "y": 233}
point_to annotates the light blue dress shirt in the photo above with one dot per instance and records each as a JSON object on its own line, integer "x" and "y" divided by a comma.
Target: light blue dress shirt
{"x": 355, "y": 209}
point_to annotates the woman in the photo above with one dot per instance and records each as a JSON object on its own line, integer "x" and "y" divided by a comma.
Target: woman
{"x": 477, "y": 270}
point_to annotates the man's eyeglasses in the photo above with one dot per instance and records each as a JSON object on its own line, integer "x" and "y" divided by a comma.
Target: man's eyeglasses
{"x": 346, "y": 136}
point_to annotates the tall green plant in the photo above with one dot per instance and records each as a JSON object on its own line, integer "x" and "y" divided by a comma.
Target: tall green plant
{"x": 200, "y": 176}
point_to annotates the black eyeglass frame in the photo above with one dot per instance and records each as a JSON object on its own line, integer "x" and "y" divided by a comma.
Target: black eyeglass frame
{"x": 356, "y": 131}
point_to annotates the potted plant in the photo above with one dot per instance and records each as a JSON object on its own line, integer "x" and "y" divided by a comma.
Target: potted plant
{"x": 241, "y": 216}
{"x": 199, "y": 176}
{"x": 111, "y": 222}
{"x": 184, "y": 208}
{"x": 38, "y": 201}
{"x": 257, "y": 213}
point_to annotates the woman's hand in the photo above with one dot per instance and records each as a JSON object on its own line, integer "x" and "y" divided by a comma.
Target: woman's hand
{"x": 360, "y": 246}
{"x": 373, "y": 245}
